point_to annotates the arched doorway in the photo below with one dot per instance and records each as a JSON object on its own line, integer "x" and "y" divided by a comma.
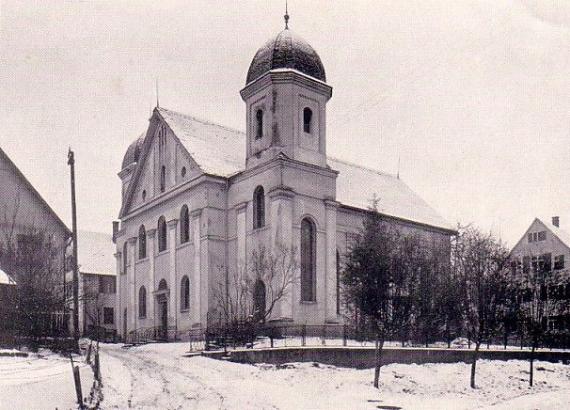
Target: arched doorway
{"x": 259, "y": 306}
{"x": 162, "y": 300}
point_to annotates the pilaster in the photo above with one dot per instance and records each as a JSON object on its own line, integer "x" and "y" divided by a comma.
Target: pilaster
{"x": 131, "y": 280}
{"x": 172, "y": 272}
{"x": 196, "y": 278}
{"x": 151, "y": 234}
{"x": 330, "y": 260}
{"x": 282, "y": 235}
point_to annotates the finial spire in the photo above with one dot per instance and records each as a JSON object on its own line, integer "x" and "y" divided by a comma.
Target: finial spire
{"x": 157, "y": 104}
{"x": 286, "y": 16}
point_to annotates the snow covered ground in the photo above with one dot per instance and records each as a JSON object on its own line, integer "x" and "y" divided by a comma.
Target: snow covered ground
{"x": 161, "y": 376}
{"x": 43, "y": 380}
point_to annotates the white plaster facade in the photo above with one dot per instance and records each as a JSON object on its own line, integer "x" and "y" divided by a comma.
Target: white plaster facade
{"x": 214, "y": 171}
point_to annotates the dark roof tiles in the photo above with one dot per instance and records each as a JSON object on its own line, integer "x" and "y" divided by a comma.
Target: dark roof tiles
{"x": 286, "y": 50}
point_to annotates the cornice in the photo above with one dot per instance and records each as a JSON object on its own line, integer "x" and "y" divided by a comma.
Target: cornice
{"x": 286, "y": 76}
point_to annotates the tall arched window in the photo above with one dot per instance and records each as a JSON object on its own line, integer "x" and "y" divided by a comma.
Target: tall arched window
{"x": 184, "y": 225}
{"x": 259, "y": 300}
{"x": 125, "y": 257}
{"x": 142, "y": 242}
{"x": 307, "y": 120}
{"x": 142, "y": 302}
{"x": 308, "y": 242}
{"x": 185, "y": 293}
{"x": 258, "y": 207}
{"x": 162, "y": 243}
{"x": 162, "y": 178}
{"x": 259, "y": 124}
{"x": 337, "y": 283}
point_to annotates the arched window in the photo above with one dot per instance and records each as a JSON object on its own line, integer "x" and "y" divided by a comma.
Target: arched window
{"x": 125, "y": 257}
{"x": 308, "y": 243}
{"x": 337, "y": 283}
{"x": 259, "y": 124}
{"x": 162, "y": 178}
{"x": 142, "y": 302}
{"x": 184, "y": 225}
{"x": 258, "y": 207}
{"x": 162, "y": 243}
{"x": 142, "y": 242}
{"x": 162, "y": 285}
{"x": 185, "y": 293}
{"x": 307, "y": 120}
{"x": 259, "y": 301}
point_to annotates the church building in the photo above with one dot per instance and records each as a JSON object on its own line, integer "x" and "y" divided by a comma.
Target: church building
{"x": 198, "y": 198}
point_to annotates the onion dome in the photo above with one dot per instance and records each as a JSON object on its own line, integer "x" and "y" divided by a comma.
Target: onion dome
{"x": 286, "y": 50}
{"x": 133, "y": 152}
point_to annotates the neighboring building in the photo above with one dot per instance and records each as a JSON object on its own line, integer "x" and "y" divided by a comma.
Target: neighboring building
{"x": 545, "y": 249}
{"x": 28, "y": 224}
{"x": 97, "y": 289}
{"x": 198, "y": 198}
{"x": 23, "y": 210}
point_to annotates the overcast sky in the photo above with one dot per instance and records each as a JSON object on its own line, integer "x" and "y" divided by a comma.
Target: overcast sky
{"x": 472, "y": 96}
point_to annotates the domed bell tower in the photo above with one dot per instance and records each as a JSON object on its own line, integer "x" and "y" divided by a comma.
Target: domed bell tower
{"x": 286, "y": 95}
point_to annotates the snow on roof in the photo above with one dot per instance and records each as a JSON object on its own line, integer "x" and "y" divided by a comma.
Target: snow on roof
{"x": 220, "y": 150}
{"x": 96, "y": 253}
{"x": 356, "y": 187}
{"x": 217, "y": 149}
{"x": 6, "y": 279}
{"x": 563, "y": 235}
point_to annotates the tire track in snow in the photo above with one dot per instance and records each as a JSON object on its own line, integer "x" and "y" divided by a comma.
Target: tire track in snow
{"x": 174, "y": 387}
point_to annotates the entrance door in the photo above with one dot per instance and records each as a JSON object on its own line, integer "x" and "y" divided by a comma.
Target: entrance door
{"x": 163, "y": 320}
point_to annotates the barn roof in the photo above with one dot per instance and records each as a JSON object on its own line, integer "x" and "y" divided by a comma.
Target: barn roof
{"x": 220, "y": 150}
{"x": 95, "y": 253}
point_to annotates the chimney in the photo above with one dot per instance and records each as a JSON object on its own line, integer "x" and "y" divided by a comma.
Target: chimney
{"x": 115, "y": 230}
{"x": 556, "y": 221}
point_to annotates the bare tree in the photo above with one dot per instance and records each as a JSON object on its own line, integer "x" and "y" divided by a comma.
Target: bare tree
{"x": 481, "y": 263}
{"x": 255, "y": 289}
{"x": 543, "y": 299}
{"x": 36, "y": 262}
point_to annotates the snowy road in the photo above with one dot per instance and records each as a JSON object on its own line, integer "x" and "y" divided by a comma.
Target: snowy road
{"x": 40, "y": 381}
{"x": 159, "y": 376}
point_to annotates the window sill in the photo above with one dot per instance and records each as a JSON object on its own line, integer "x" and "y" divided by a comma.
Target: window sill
{"x": 142, "y": 317}
{"x": 145, "y": 259}
{"x": 260, "y": 229}
{"x": 308, "y": 302}
{"x": 185, "y": 310}
{"x": 184, "y": 245}
{"x": 162, "y": 252}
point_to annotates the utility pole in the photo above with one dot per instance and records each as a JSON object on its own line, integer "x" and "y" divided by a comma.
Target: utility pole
{"x": 71, "y": 163}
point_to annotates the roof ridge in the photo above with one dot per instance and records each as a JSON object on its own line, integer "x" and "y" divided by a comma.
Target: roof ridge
{"x": 352, "y": 164}
{"x": 202, "y": 120}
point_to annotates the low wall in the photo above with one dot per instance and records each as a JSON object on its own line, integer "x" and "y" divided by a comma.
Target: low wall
{"x": 363, "y": 357}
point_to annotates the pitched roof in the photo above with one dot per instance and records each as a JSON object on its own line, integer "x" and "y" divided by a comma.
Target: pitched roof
{"x": 6, "y": 279}
{"x": 563, "y": 235}
{"x": 219, "y": 150}
{"x": 95, "y": 253}
{"x": 357, "y": 185}
{"x": 34, "y": 191}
